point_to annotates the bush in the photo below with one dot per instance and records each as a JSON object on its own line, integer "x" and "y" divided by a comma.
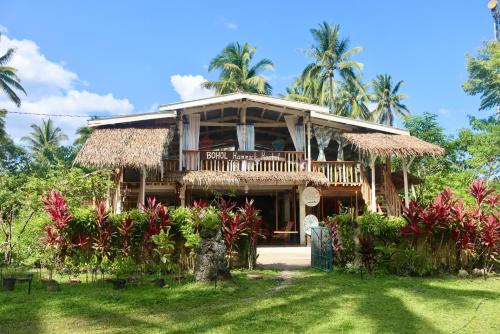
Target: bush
{"x": 383, "y": 229}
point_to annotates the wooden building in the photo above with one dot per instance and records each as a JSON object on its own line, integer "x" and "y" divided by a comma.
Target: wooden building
{"x": 247, "y": 145}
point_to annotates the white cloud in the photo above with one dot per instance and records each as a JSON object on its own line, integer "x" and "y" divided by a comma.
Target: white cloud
{"x": 3, "y": 29}
{"x": 231, "y": 26}
{"x": 444, "y": 111}
{"x": 52, "y": 89}
{"x": 189, "y": 86}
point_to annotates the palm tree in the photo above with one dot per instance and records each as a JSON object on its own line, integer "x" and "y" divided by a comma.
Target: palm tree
{"x": 331, "y": 55}
{"x": 351, "y": 99}
{"x": 237, "y": 75}
{"x": 9, "y": 82}
{"x": 305, "y": 89}
{"x": 83, "y": 133}
{"x": 44, "y": 136}
{"x": 388, "y": 100}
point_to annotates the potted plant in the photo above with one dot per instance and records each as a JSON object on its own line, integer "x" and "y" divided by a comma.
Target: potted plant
{"x": 9, "y": 281}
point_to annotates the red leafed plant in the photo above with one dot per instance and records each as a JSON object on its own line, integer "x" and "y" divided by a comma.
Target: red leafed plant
{"x": 158, "y": 218}
{"x": 231, "y": 226}
{"x": 249, "y": 219}
{"x": 102, "y": 240}
{"x": 60, "y": 217}
{"x": 125, "y": 229}
{"x": 56, "y": 239}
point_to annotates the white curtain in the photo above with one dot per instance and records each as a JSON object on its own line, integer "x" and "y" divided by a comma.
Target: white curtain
{"x": 342, "y": 142}
{"x": 246, "y": 137}
{"x": 297, "y": 132}
{"x": 191, "y": 141}
{"x": 323, "y": 135}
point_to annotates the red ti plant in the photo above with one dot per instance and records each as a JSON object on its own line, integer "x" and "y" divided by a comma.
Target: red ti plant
{"x": 102, "y": 241}
{"x": 56, "y": 238}
{"x": 231, "y": 226}
{"x": 125, "y": 229}
{"x": 249, "y": 219}
{"x": 158, "y": 218}
{"x": 412, "y": 214}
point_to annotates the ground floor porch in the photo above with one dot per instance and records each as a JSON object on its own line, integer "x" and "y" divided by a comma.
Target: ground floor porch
{"x": 282, "y": 207}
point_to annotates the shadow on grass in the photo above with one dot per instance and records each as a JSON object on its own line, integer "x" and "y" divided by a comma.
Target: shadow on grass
{"x": 312, "y": 302}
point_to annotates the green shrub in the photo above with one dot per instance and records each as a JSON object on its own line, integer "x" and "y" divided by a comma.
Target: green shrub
{"x": 210, "y": 219}
{"x": 183, "y": 223}
{"x": 382, "y": 228}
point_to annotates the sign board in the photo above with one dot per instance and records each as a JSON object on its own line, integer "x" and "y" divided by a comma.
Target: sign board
{"x": 311, "y": 196}
{"x": 243, "y": 155}
{"x": 310, "y": 221}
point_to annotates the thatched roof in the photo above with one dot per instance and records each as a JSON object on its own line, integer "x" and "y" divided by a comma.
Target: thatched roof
{"x": 210, "y": 178}
{"x": 380, "y": 144}
{"x": 124, "y": 147}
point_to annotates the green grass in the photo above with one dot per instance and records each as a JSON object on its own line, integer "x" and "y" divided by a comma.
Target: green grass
{"x": 311, "y": 302}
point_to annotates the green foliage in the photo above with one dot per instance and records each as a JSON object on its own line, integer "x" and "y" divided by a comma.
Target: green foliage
{"x": 236, "y": 73}
{"x": 183, "y": 221}
{"x": 210, "y": 219}
{"x": 382, "y": 228}
{"x": 164, "y": 247}
{"x": 484, "y": 75}
{"x": 387, "y": 99}
{"x": 124, "y": 266}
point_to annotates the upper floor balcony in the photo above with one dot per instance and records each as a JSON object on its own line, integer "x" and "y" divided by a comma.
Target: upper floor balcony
{"x": 344, "y": 173}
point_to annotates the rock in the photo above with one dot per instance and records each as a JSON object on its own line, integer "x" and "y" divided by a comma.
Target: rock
{"x": 463, "y": 273}
{"x": 210, "y": 261}
{"x": 166, "y": 286}
{"x": 479, "y": 272}
{"x": 278, "y": 278}
{"x": 74, "y": 281}
{"x": 254, "y": 277}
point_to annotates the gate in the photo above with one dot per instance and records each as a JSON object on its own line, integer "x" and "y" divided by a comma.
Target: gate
{"x": 321, "y": 248}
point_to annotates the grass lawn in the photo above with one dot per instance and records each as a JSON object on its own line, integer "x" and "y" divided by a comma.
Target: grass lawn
{"x": 311, "y": 301}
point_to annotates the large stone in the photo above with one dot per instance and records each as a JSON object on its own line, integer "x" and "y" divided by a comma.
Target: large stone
{"x": 463, "y": 273}
{"x": 210, "y": 261}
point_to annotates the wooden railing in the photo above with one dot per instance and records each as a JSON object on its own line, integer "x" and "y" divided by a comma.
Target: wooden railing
{"x": 170, "y": 165}
{"x": 391, "y": 195}
{"x": 339, "y": 172}
{"x": 289, "y": 161}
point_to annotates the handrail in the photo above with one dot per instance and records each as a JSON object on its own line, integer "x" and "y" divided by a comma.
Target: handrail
{"x": 391, "y": 195}
{"x": 339, "y": 172}
{"x": 292, "y": 161}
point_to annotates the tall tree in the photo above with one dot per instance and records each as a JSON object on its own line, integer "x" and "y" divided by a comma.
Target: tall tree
{"x": 484, "y": 76}
{"x": 388, "y": 100}
{"x": 236, "y": 72}
{"x": 308, "y": 90}
{"x": 44, "y": 137}
{"x": 9, "y": 82}
{"x": 331, "y": 55}
{"x": 351, "y": 99}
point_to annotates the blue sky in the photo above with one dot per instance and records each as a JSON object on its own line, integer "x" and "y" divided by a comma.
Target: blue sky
{"x": 123, "y": 56}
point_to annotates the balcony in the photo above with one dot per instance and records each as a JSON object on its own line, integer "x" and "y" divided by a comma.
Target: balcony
{"x": 341, "y": 173}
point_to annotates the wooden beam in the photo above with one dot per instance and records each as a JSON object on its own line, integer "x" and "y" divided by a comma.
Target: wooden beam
{"x": 374, "y": 198}
{"x": 405, "y": 181}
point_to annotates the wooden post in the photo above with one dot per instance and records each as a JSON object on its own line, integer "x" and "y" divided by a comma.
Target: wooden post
{"x": 182, "y": 195}
{"x": 309, "y": 163}
{"x": 181, "y": 126}
{"x": 374, "y": 198}
{"x": 118, "y": 195}
{"x": 142, "y": 189}
{"x": 302, "y": 217}
{"x": 276, "y": 208}
{"x": 294, "y": 207}
{"x": 405, "y": 180}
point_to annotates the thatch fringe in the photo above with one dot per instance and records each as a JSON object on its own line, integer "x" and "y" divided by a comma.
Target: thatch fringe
{"x": 230, "y": 179}
{"x": 380, "y": 144}
{"x": 125, "y": 147}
